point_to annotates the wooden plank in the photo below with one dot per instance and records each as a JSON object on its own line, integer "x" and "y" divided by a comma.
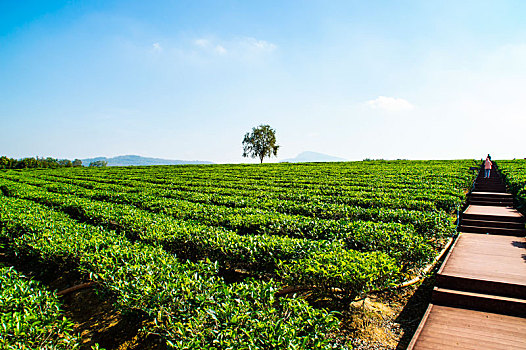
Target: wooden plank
{"x": 500, "y": 260}
{"x": 492, "y": 211}
{"x": 455, "y": 328}
{"x": 421, "y": 326}
{"x": 500, "y": 194}
{"x": 480, "y": 302}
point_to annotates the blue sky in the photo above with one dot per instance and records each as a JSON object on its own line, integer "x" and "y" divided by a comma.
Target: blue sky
{"x": 187, "y": 79}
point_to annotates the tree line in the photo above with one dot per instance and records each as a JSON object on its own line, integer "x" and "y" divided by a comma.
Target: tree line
{"x": 38, "y": 162}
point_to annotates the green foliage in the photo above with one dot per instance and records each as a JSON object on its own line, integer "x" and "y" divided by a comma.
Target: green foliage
{"x": 514, "y": 173}
{"x": 28, "y": 163}
{"x": 260, "y": 143}
{"x": 31, "y": 316}
{"x": 98, "y": 164}
{"x": 7, "y": 163}
{"x": 259, "y": 253}
{"x": 189, "y": 303}
{"x": 339, "y": 230}
{"x": 347, "y": 272}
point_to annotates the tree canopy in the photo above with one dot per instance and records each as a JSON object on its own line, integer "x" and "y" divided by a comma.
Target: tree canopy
{"x": 38, "y": 162}
{"x": 98, "y": 163}
{"x": 260, "y": 143}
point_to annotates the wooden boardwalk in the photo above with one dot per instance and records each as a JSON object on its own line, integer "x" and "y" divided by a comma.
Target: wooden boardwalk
{"x": 479, "y": 301}
{"x": 446, "y": 327}
{"x": 502, "y": 212}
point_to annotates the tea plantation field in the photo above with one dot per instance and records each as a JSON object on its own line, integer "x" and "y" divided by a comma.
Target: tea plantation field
{"x": 214, "y": 256}
{"x": 514, "y": 174}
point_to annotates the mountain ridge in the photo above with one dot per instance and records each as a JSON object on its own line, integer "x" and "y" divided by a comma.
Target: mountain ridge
{"x": 309, "y": 156}
{"x": 135, "y": 160}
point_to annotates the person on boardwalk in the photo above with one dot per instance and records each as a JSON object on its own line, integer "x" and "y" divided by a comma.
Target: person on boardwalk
{"x": 487, "y": 167}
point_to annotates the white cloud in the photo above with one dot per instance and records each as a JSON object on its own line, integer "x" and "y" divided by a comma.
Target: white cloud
{"x": 157, "y": 47}
{"x": 219, "y": 49}
{"x": 390, "y": 104}
{"x": 210, "y": 46}
{"x": 239, "y": 47}
{"x": 204, "y": 43}
{"x": 259, "y": 45}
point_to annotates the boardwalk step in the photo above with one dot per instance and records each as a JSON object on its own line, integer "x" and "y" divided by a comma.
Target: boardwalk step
{"x": 479, "y": 302}
{"x": 493, "y": 230}
{"x": 488, "y": 223}
{"x": 475, "y": 194}
{"x": 486, "y": 264}
{"x": 494, "y": 203}
{"x": 446, "y": 327}
{"x": 490, "y": 195}
{"x": 490, "y": 188}
{"x": 487, "y": 189}
{"x": 481, "y": 286}
{"x": 491, "y": 200}
{"x": 492, "y": 217}
{"x": 489, "y": 184}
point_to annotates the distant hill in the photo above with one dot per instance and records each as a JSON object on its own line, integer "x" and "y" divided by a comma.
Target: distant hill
{"x": 313, "y": 157}
{"x": 138, "y": 161}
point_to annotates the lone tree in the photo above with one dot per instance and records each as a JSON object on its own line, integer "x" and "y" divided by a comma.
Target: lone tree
{"x": 260, "y": 143}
